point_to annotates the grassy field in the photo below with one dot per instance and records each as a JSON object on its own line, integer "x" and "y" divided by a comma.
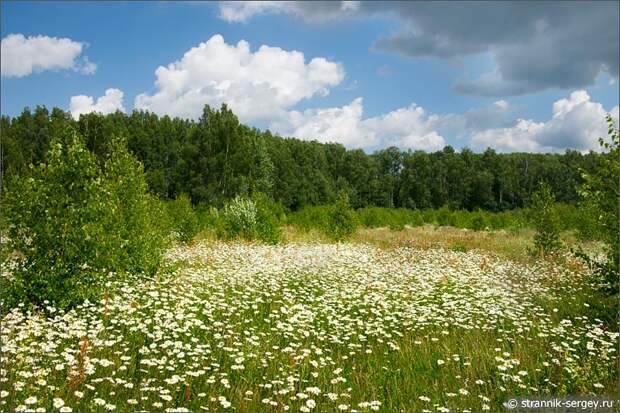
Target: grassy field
{"x": 422, "y": 319}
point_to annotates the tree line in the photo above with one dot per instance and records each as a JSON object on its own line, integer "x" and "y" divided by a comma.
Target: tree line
{"x": 216, "y": 158}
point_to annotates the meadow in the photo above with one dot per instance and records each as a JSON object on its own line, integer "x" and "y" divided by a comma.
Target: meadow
{"x": 115, "y": 299}
{"x": 401, "y": 323}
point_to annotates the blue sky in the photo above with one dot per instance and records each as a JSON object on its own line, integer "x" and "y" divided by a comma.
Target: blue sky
{"x": 387, "y": 80}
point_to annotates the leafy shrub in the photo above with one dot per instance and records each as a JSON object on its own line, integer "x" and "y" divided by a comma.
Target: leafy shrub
{"x": 341, "y": 221}
{"x": 311, "y": 217}
{"x": 250, "y": 219}
{"x": 478, "y": 223}
{"x": 183, "y": 219}
{"x": 396, "y": 225}
{"x": 137, "y": 217}
{"x": 238, "y": 219}
{"x": 415, "y": 218}
{"x": 547, "y": 238}
{"x": 316, "y": 217}
{"x": 78, "y": 222}
{"x": 369, "y": 217}
{"x": 601, "y": 197}
{"x": 267, "y": 219}
{"x": 207, "y": 216}
{"x": 587, "y": 222}
{"x": 444, "y": 217}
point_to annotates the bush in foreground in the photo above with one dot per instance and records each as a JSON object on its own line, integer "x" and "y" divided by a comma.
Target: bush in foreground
{"x": 238, "y": 219}
{"x": 601, "y": 195}
{"x": 76, "y": 222}
{"x": 183, "y": 218}
{"x": 251, "y": 219}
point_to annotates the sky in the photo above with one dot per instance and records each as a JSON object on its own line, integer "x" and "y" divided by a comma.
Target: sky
{"x": 513, "y": 76}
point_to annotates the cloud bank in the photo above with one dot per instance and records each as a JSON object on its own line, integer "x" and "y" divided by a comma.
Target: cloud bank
{"x": 577, "y": 123}
{"x": 535, "y": 46}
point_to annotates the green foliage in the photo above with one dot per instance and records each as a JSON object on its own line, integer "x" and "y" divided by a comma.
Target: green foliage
{"x": 444, "y": 217}
{"x": 257, "y": 218}
{"x": 78, "y": 222}
{"x": 268, "y": 215}
{"x": 459, "y": 248}
{"x": 136, "y": 217}
{"x": 341, "y": 222}
{"x": 478, "y": 223}
{"x": 394, "y": 218}
{"x": 547, "y": 238}
{"x": 371, "y": 217}
{"x": 308, "y": 218}
{"x": 208, "y": 216}
{"x": 183, "y": 217}
{"x": 601, "y": 196}
{"x": 586, "y": 221}
{"x": 238, "y": 219}
{"x": 216, "y": 158}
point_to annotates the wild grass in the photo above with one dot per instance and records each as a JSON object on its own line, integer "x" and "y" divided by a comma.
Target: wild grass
{"x": 511, "y": 244}
{"x": 391, "y": 325}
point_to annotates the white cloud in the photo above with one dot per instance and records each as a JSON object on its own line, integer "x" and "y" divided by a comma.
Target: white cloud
{"x": 256, "y": 85}
{"x": 566, "y": 42}
{"x": 22, "y": 56}
{"x": 462, "y": 125}
{"x": 88, "y": 67}
{"x": 409, "y": 127}
{"x": 241, "y": 11}
{"x": 577, "y": 123}
{"x": 343, "y": 125}
{"x": 316, "y": 11}
{"x": 522, "y": 137}
{"x": 108, "y": 103}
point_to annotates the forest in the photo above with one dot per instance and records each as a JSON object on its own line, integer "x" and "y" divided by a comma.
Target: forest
{"x": 216, "y": 158}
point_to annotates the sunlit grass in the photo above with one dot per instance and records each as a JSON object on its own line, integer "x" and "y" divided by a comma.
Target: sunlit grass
{"x": 317, "y": 327}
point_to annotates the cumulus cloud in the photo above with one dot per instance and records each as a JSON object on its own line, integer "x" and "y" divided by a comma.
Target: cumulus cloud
{"x": 343, "y": 125}
{"x": 108, "y": 103}
{"x": 462, "y": 125}
{"x": 22, "y": 56}
{"x": 409, "y": 127}
{"x": 256, "y": 85}
{"x": 535, "y": 46}
{"x": 577, "y": 123}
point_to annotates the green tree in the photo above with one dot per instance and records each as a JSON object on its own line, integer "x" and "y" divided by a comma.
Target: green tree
{"x": 601, "y": 195}
{"x": 78, "y": 222}
{"x": 183, "y": 218}
{"x": 547, "y": 238}
{"x": 267, "y": 219}
{"x": 341, "y": 221}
